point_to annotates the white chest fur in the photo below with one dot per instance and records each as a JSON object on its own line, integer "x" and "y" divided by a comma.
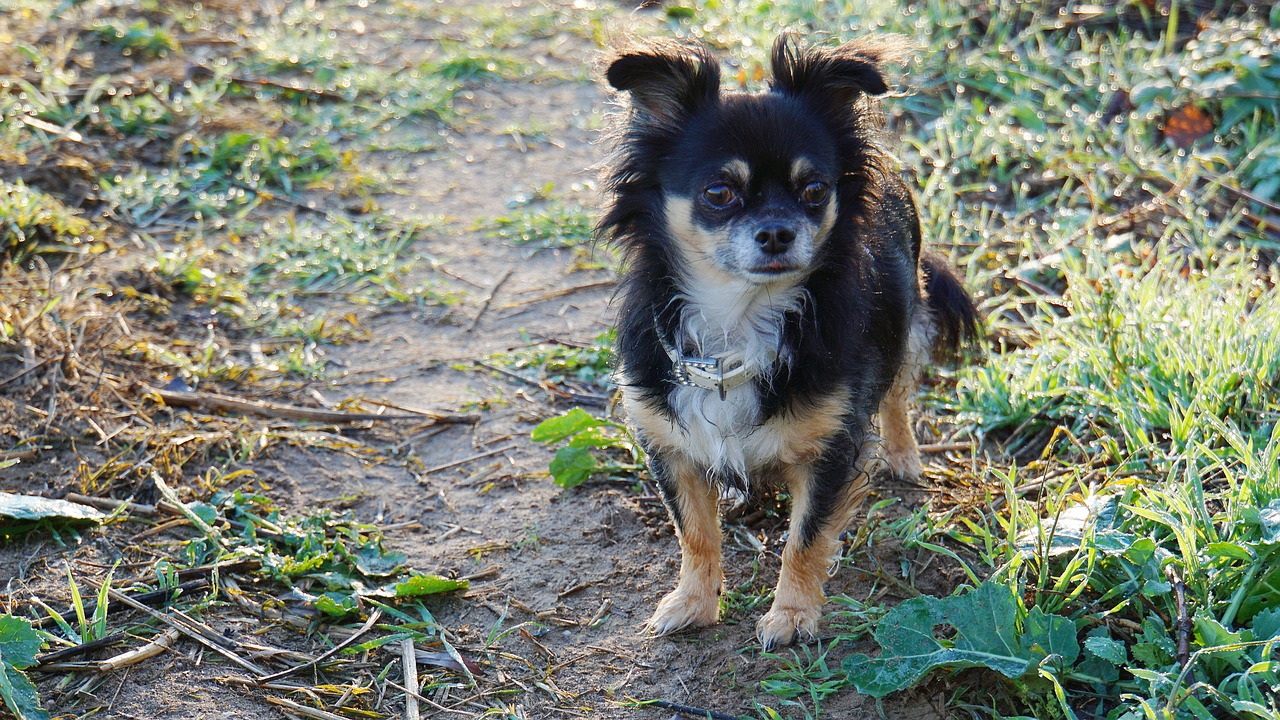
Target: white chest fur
{"x": 727, "y": 435}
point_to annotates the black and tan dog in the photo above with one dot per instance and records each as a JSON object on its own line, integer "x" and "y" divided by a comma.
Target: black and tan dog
{"x": 775, "y": 301}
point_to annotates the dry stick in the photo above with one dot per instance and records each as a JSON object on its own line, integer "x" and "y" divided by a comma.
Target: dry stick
{"x": 164, "y": 508}
{"x": 297, "y": 709}
{"x": 466, "y": 460}
{"x": 553, "y": 294}
{"x": 164, "y": 641}
{"x": 409, "y": 659}
{"x": 945, "y": 447}
{"x": 196, "y": 634}
{"x": 168, "y": 494}
{"x": 428, "y": 700}
{"x": 214, "y": 401}
{"x": 22, "y": 373}
{"x": 368, "y": 625}
{"x": 439, "y": 417}
{"x": 489, "y": 299}
{"x": 17, "y": 455}
{"x": 693, "y": 711}
{"x": 63, "y": 654}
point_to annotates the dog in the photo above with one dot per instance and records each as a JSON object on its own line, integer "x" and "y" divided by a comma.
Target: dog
{"x": 774, "y": 301}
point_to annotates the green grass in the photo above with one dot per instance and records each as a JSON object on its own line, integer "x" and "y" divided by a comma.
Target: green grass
{"x": 1127, "y": 411}
{"x": 549, "y": 224}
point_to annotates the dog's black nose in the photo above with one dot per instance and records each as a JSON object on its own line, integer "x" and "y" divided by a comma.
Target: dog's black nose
{"x": 775, "y": 238}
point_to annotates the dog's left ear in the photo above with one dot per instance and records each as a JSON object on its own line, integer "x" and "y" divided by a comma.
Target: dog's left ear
{"x": 833, "y": 75}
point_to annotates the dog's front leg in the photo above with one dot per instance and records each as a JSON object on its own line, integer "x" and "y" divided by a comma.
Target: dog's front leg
{"x": 692, "y": 500}
{"x": 824, "y": 495}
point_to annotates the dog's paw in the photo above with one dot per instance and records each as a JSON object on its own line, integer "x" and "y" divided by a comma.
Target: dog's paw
{"x": 681, "y": 610}
{"x": 782, "y": 626}
{"x": 903, "y": 464}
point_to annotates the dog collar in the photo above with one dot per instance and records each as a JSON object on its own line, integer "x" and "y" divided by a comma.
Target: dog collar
{"x": 720, "y": 374}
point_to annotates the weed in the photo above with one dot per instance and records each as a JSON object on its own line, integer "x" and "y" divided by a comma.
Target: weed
{"x": 551, "y": 226}
{"x": 32, "y": 221}
{"x": 589, "y": 365}
{"x": 139, "y": 38}
{"x": 593, "y": 446}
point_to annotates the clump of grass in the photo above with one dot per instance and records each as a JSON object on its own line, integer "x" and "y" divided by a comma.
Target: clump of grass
{"x": 587, "y": 364}
{"x": 139, "y": 38}
{"x": 32, "y": 221}
{"x": 552, "y": 225}
{"x": 1143, "y": 362}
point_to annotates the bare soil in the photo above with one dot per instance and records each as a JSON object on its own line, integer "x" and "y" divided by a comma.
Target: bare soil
{"x": 555, "y": 559}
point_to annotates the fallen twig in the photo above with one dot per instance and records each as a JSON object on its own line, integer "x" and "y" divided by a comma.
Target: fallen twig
{"x": 368, "y": 625}
{"x": 691, "y": 711}
{"x": 196, "y": 631}
{"x": 465, "y": 460}
{"x": 945, "y": 447}
{"x": 553, "y": 294}
{"x": 70, "y": 652}
{"x": 155, "y": 597}
{"x": 484, "y": 307}
{"x": 137, "y": 655}
{"x": 409, "y": 659}
{"x": 226, "y": 403}
{"x": 297, "y": 709}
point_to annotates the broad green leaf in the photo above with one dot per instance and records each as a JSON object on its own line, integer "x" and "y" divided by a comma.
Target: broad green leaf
{"x": 1110, "y": 650}
{"x": 573, "y": 466}
{"x": 1228, "y": 550}
{"x": 336, "y": 604}
{"x": 1266, "y": 624}
{"x": 558, "y": 428}
{"x": 1045, "y": 634}
{"x": 419, "y": 585}
{"x": 986, "y": 635}
{"x": 19, "y": 644}
{"x": 372, "y": 560}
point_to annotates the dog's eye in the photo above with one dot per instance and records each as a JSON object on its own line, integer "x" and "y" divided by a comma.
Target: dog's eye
{"x": 815, "y": 193}
{"x": 720, "y": 196}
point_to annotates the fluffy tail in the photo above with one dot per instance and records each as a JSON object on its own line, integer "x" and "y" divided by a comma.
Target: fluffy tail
{"x": 955, "y": 317}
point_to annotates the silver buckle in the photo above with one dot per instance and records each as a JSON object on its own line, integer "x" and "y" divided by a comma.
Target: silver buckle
{"x": 712, "y": 366}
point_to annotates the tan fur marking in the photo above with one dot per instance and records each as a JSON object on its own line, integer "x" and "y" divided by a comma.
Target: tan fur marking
{"x": 798, "y": 600}
{"x": 737, "y": 171}
{"x": 806, "y": 432}
{"x": 901, "y": 454}
{"x": 799, "y": 168}
{"x": 698, "y": 245}
{"x": 696, "y": 600}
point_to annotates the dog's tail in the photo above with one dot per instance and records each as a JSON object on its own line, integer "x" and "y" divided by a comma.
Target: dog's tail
{"x": 954, "y": 316}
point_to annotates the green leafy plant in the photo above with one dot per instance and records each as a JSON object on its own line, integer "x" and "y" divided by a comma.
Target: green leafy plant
{"x": 19, "y": 644}
{"x": 594, "y": 446}
{"x": 343, "y": 562}
{"x": 991, "y": 629}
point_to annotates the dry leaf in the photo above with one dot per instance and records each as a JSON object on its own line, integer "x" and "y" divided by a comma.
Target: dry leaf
{"x": 1186, "y": 125}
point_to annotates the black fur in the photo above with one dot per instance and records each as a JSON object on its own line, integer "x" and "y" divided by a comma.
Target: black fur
{"x": 954, "y": 314}
{"x": 864, "y": 290}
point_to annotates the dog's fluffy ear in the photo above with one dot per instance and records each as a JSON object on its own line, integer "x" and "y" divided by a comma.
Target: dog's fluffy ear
{"x": 833, "y": 75}
{"x": 667, "y": 81}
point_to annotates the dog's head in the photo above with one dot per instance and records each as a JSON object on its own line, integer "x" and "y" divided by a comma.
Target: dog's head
{"x": 750, "y": 184}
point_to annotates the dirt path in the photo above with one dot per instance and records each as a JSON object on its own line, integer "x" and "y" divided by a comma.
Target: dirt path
{"x": 563, "y": 579}
{"x": 563, "y": 558}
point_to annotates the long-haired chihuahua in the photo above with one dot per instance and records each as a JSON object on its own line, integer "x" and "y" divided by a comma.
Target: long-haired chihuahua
{"x": 775, "y": 301}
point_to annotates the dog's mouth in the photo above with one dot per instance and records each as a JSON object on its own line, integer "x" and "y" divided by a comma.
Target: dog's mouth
{"x": 774, "y": 269}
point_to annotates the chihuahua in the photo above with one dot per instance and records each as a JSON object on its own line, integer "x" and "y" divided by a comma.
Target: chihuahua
{"x": 774, "y": 303}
